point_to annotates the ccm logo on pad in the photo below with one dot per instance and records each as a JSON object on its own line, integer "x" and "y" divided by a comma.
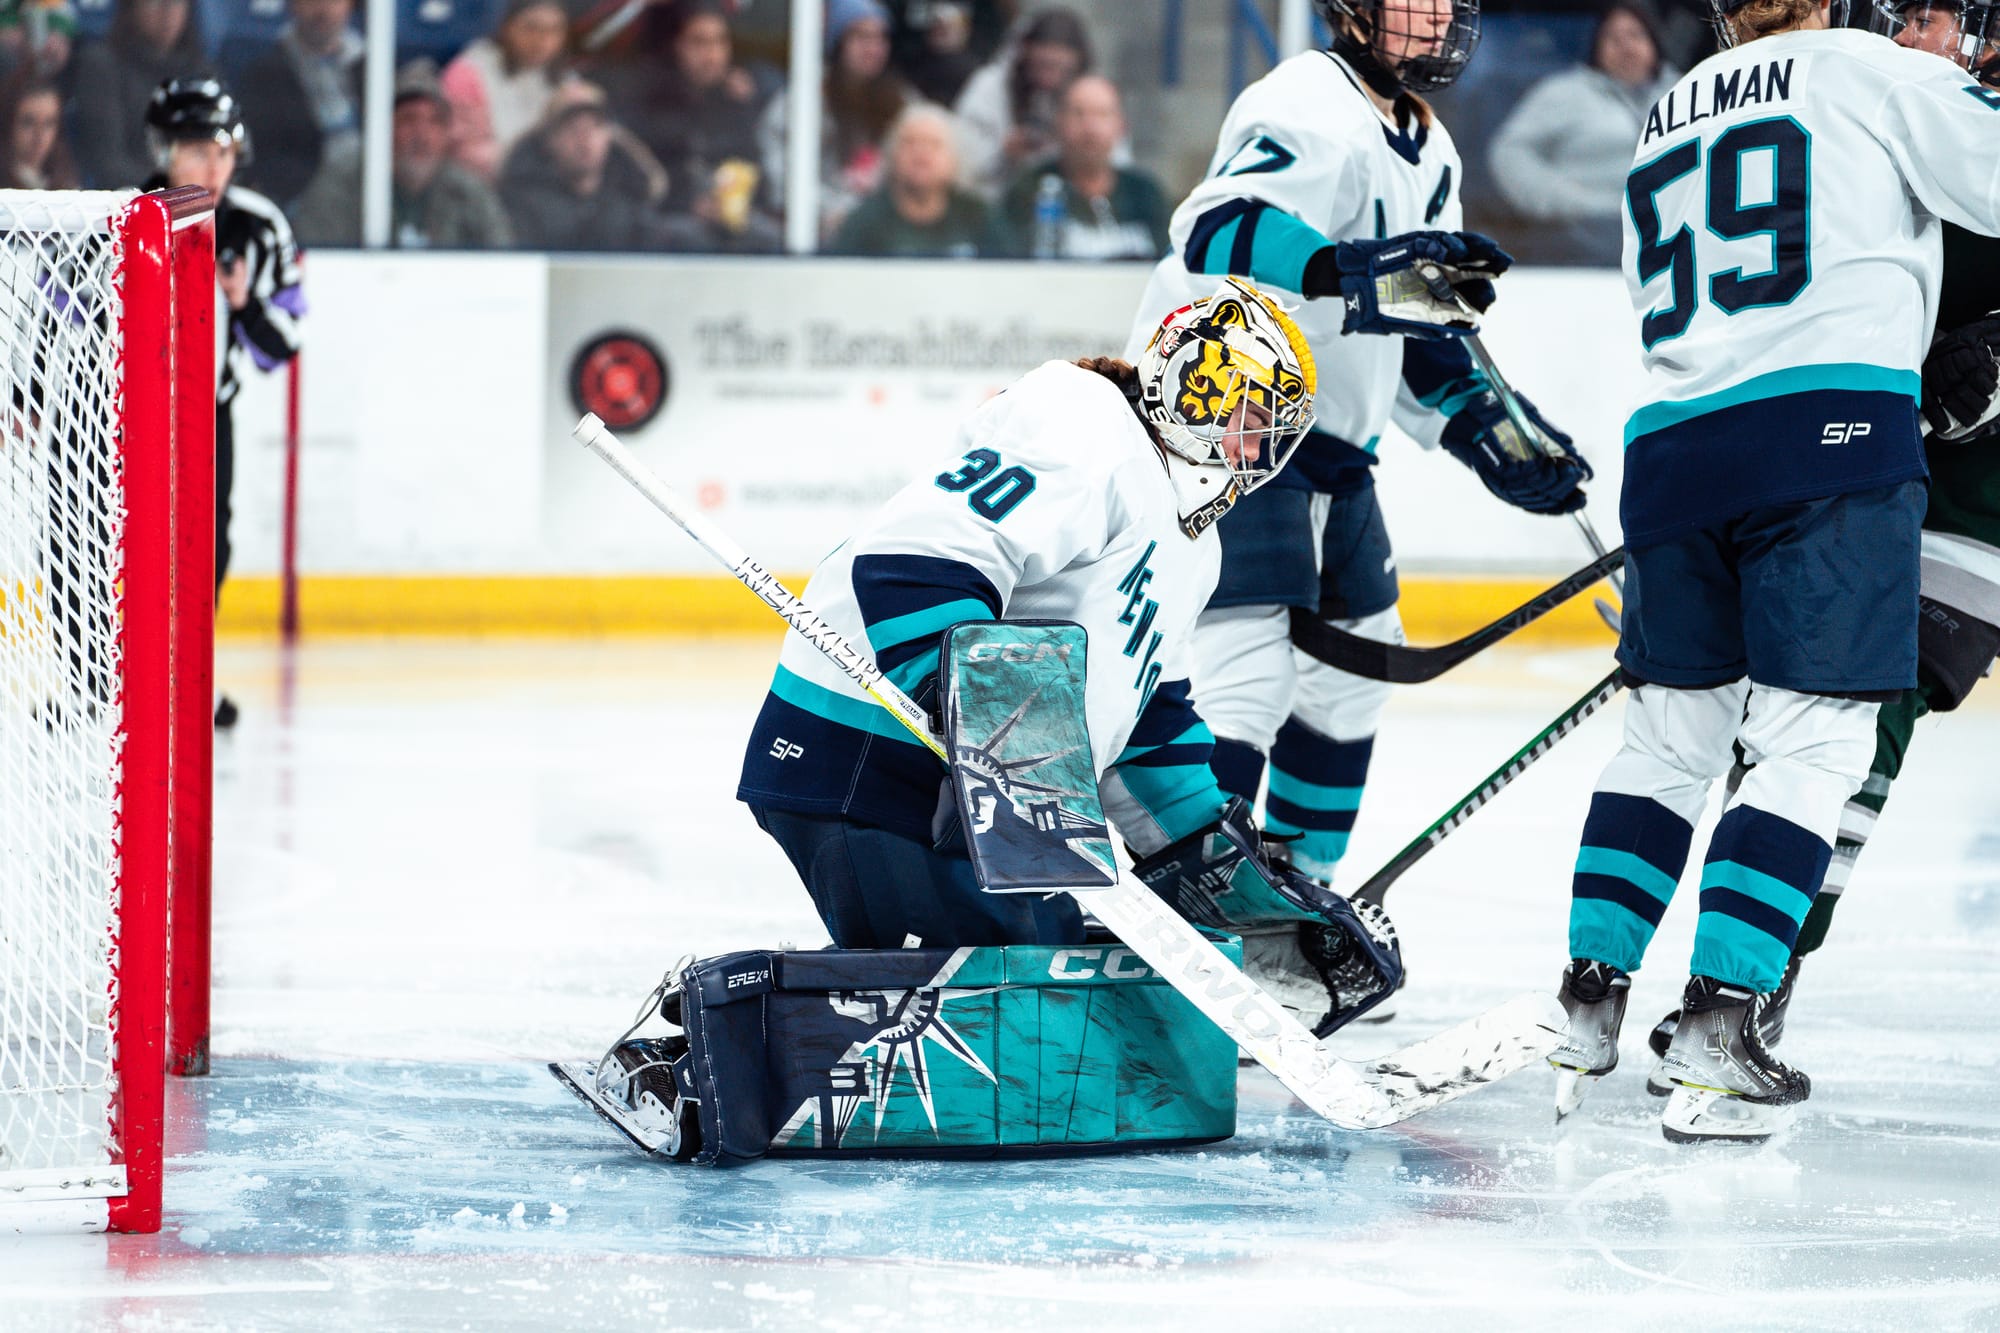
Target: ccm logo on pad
{"x": 1112, "y": 962}
{"x": 1016, "y": 652}
{"x": 1844, "y": 432}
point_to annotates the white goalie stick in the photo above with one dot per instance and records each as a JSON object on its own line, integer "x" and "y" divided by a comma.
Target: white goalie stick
{"x": 1352, "y": 1094}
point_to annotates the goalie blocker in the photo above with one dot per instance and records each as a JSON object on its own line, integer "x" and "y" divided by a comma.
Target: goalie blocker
{"x": 1023, "y": 1050}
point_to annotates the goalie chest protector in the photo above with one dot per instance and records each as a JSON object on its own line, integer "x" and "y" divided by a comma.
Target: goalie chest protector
{"x": 1016, "y": 1051}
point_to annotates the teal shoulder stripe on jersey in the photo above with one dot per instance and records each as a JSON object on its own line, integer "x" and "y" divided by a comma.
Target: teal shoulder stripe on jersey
{"x": 1628, "y": 867}
{"x": 860, "y": 714}
{"x": 1313, "y": 795}
{"x": 1766, "y": 889}
{"x": 1849, "y": 375}
{"x": 922, "y": 624}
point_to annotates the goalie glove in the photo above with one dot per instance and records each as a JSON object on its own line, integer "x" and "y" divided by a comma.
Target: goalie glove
{"x": 1394, "y": 286}
{"x": 1222, "y": 877}
{"x": 1962, "y": 381}
{"x": 1544, "y": 478}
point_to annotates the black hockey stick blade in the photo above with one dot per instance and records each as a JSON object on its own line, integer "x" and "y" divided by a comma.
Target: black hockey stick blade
{"x": 1401, "y": 664}
{"x": 581, "y": 1079}
{"x": 1473, "y": 801}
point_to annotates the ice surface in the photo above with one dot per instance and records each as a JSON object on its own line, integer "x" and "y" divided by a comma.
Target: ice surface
{"x": 439, "y": 865}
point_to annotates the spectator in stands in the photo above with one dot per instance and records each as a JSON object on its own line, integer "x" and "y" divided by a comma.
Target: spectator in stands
{"x": 35, "y": 36}
{"x": 150, "y": 41}
{"x": 920, "y": 209}
{"x": 1079, "y": 204}
{"x": 1561, "y": 156}
{"x": 1007, "y": 113}
{"x": 579, "y": 182}
{"x": 937, "y": 46}
{"x": 499, "y": 86}
{"x": 305, "y": 96}
{"x": 38, "y": 158}
{"x": 697, "y": 110}
{"x": 862, "y": 98}
{"x": 434, "y": 202}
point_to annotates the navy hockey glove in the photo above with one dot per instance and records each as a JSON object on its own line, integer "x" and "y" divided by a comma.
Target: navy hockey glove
{"x": 1393, "y": 286}
{"x": 1962, "y": 380}
{"x": 1482, "y": 436}
{"x": 1221, "y": 877}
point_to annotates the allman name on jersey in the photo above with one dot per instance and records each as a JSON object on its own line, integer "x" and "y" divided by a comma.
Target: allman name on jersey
{"x": 1694, "y": 100}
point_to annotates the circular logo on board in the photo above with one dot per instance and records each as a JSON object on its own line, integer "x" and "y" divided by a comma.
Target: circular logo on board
{"x": 620, "y": 376}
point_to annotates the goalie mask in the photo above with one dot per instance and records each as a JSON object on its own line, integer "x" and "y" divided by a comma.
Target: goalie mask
{"x": 1227, "y": 384}
{"x": 1965, "y": 32}
{"x": 1397, "y": 46}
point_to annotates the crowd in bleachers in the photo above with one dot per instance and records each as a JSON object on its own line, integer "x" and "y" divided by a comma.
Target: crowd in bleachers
{"x": 947, "y": 127}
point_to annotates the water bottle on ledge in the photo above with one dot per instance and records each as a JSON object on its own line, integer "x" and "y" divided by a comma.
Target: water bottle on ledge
{"x": 1049, "y": 212}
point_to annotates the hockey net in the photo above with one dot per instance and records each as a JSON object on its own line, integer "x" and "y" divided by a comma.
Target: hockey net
{"x": 107, "y": 305}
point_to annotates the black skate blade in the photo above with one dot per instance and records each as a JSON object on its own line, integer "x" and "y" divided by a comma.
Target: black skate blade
{"x": 1684, "y": 1138}
{"x": 580, "y": 1078}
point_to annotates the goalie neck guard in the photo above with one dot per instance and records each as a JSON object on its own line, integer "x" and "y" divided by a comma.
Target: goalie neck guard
{"x": 1227, "y": 384}
{"x": 1398, "y": 46}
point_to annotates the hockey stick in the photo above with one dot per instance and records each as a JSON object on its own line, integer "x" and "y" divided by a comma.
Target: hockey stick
{"x": 1401, "y": 664}
{"x": 1350, "y": 1094}
{"x": 1544, "y": 741}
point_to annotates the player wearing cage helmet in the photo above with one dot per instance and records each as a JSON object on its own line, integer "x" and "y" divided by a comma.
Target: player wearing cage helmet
{"x": 1088, "y": 492}
{"x": 198, "y": 137}
{"x": 1326, "y": 165}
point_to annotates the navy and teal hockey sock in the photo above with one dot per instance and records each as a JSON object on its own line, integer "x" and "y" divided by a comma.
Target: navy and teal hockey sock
{"x": 1633, "y": 852}
{"x": 1757, "y": 885}
{"x": 1316, "y": 785}
{"x": 1238, "y": 768}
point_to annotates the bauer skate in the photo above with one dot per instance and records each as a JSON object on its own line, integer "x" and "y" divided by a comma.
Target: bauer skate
{"x": 1771, "y": 1027}
{"x": 1593, "y": 995}
{"x": 1729, "y": 1087}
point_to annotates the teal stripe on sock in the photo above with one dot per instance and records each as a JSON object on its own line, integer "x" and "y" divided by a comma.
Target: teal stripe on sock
{"x": 1313, "y": 795}
{"x": 1631, "y": 868}
{"x": 1198, "y": 734}
{"x": 931, "y": 620}
{"x": 1737, "y": 952}
{"x": 1320, "y": 847}
{"x": 1766, "y": 889}
{"x": 861, "y": 714}
{"x": 1608, "y": 933}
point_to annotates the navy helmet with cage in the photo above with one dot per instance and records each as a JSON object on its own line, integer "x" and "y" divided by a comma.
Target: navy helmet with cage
{"x": 1416, "y": 46}
{"x": 1966, "y": 32}
{"x": 194, "y": 111}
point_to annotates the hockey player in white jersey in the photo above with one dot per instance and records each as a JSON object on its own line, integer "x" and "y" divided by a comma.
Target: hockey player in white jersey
{"x": 1783, "y": 254}
{"x": 1319, "y": 169}
{"x": 1086, "y": 492}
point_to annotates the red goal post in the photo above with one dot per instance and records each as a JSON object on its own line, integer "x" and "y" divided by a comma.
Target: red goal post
{"x": 108, "y": 316}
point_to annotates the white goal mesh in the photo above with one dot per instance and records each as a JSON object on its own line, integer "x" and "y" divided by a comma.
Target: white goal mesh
{"x": 62, "y": 527}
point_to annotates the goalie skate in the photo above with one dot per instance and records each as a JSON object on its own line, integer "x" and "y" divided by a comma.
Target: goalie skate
{"x": 633, "y": 1090}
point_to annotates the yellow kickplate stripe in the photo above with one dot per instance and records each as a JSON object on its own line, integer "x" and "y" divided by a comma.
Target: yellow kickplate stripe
{"x": 1435, "y": 609}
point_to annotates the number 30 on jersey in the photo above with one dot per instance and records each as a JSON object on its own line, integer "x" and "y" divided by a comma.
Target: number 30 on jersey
{"x": 993, "y": 491}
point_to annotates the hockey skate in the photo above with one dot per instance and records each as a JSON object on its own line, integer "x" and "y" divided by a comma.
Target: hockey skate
{"x": 1729, "y": 1087}
{"x": 633, "y": 1088}
{"x": 1771, "y": 1027}
{"x": 1593, "y": 995}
